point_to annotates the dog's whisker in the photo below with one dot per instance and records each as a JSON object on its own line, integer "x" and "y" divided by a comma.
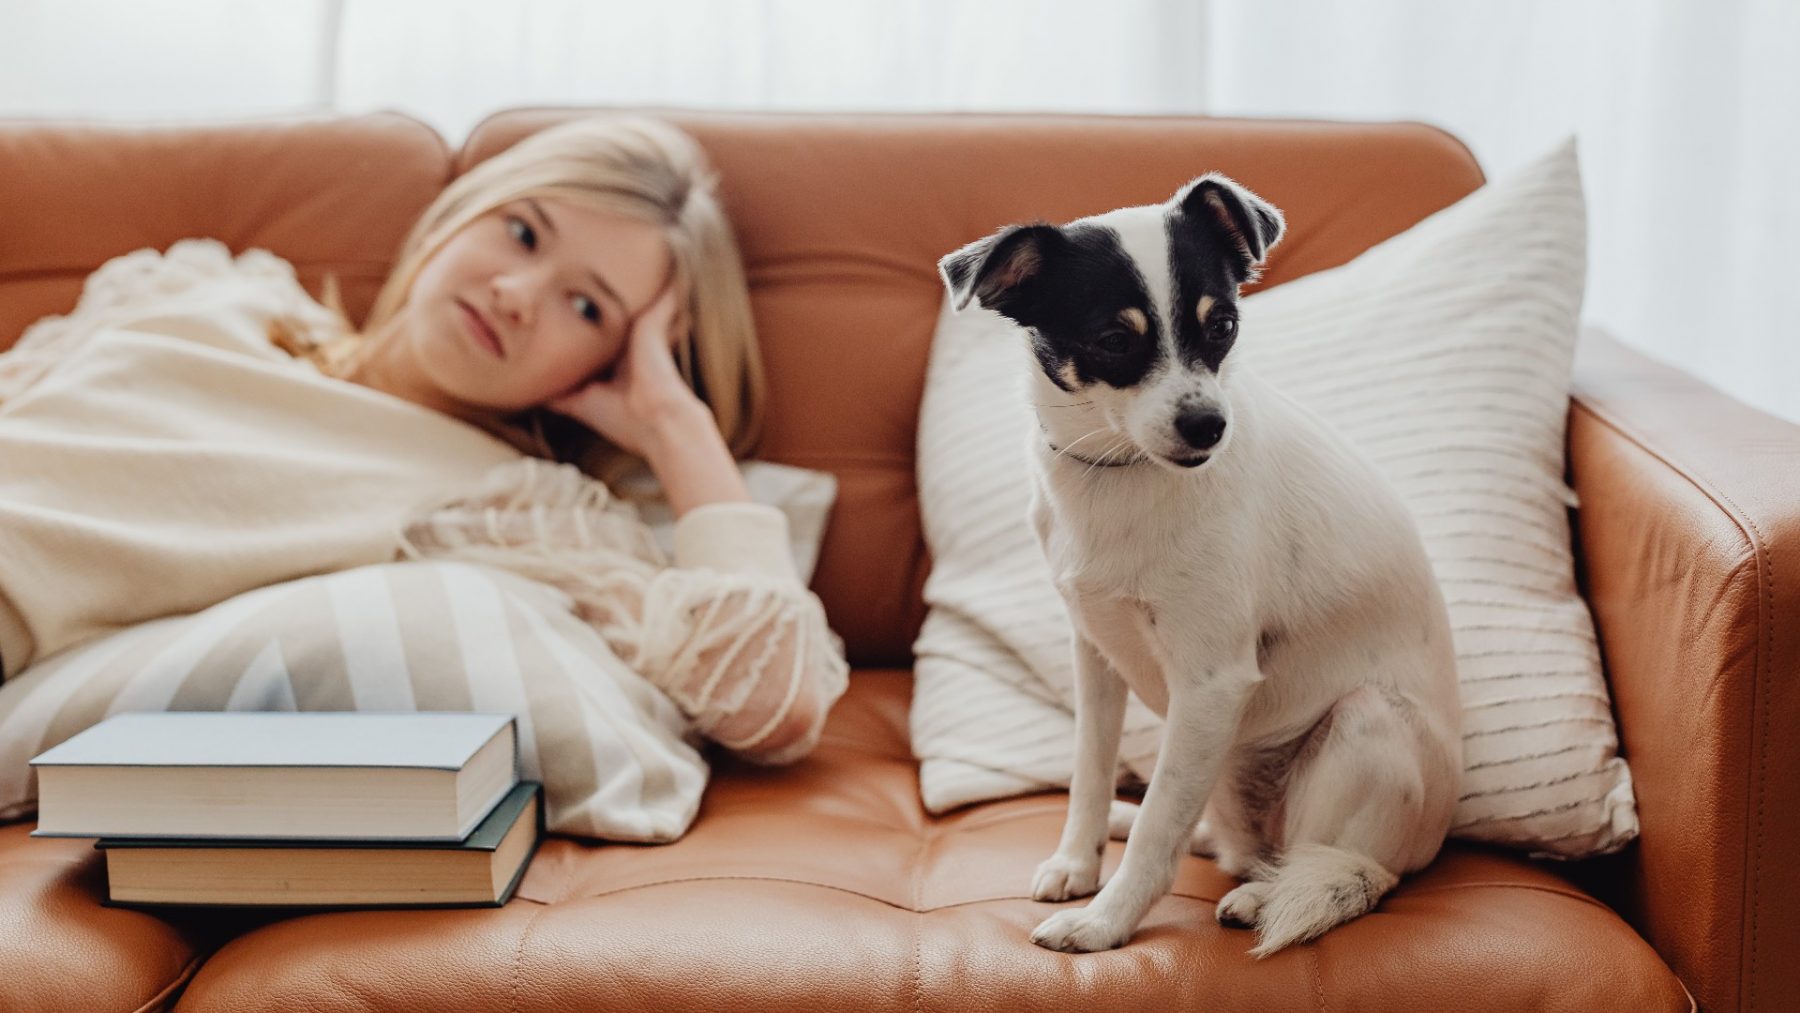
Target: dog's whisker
{"x": 1092, "y": 462}
{"x": 1120, "y": 444}
{"x": 1104, "y": 454}
{"x": 1077, "y": 404}
{"x": 1077, "y": 442}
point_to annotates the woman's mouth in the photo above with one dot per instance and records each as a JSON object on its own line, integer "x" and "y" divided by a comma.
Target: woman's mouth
{"x": 479, "y": 330}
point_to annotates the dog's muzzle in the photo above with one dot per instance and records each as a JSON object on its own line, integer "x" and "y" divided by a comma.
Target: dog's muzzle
{"x": 1201, "y": 429}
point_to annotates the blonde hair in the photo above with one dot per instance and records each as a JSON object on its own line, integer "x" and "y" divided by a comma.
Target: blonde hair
{"x": 641, "y": 168}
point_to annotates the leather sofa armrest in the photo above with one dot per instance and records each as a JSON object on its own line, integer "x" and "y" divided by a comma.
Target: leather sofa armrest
{"x": 1689, "y": 532}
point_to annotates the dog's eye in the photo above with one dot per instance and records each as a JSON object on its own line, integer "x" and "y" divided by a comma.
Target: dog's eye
{"x": 1113, "y": 343}
{"x": 1222, "y": 329}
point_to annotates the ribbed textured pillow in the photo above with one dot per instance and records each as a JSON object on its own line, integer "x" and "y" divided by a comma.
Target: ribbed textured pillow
{"x": 1445, "y": 354}
{"x": 612, "y": 751}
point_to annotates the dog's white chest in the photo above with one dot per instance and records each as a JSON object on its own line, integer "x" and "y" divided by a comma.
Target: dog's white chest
{"x": 1125, "y": 631}
{"x": 1111, "y": 590}
{"x": 1144, "y": 552}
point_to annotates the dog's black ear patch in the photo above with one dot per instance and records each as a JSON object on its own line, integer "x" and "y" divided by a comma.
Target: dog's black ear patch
{"x": 992, "y": 270}
{"x": 1246, "y": 223}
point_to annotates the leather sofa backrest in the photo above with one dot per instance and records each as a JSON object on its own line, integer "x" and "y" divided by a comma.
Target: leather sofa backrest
{"x": 331, "y": 195}
{"x": 842, "y": 220}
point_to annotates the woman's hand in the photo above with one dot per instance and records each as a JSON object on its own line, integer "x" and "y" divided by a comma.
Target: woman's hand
{"x": 643, "y": 393}
{"x": 645, "y": 408}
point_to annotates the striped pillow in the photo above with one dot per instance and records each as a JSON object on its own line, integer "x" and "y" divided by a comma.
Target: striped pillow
{"x": 612, "y": 751}
{"x": 1445, "y": 354}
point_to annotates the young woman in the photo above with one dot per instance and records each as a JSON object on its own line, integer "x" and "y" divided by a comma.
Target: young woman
{"x": 199, "y": 427}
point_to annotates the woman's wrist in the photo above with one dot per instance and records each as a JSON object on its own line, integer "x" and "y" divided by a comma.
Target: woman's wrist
{"x": 673, "y": 426}
{"x": 683, "y": 447}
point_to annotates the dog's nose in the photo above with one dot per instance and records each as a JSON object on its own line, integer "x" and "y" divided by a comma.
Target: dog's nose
{"x": 1201, "y": 429}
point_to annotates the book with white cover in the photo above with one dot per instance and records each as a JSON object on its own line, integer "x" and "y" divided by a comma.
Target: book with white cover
{"x": 292, "y": 776}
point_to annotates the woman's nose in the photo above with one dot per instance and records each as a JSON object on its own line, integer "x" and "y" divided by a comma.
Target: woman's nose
{"x": 514, "y": 297}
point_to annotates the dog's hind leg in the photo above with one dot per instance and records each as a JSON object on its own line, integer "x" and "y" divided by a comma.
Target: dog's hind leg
{"x": 1241, "y": 907}
{"x": 1368, "y": 799}
{"x": 1124, "y": 814}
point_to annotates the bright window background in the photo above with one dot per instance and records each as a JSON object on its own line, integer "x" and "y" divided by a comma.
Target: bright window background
{"x": 1684, "y": 109}
{"x": 182, "y": 60}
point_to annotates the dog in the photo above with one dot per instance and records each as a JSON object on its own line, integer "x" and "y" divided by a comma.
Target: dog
{"x": 1236, "y": 563}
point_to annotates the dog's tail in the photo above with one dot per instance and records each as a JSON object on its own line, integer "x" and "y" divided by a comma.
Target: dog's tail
{"x": 1314, "y": 888}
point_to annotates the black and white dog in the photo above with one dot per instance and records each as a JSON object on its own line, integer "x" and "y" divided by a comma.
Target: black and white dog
{"x": 1235, "y": 562}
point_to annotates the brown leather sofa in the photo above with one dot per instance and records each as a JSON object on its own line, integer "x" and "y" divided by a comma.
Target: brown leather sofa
{"x": 825, "y": 885}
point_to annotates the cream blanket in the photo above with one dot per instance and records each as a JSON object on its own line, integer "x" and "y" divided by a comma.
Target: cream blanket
{"x": 160, "y": 456}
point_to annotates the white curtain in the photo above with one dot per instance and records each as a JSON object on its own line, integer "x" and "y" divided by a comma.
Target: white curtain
{"x": 1684, "y": 108}
{"x": 1687, "y": 116}
{"x": 451, "y": 61}
{"x": 165, "y": 60}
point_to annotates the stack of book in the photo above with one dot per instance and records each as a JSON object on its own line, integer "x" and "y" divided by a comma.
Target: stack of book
{"x": 306, "y": 810}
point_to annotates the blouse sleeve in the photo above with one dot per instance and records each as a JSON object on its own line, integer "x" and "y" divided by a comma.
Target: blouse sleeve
{"x": 727, "y": 631}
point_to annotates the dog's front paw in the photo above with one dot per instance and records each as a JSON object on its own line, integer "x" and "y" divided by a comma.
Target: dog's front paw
{"x": 1062, "y": 878}
{"x": 1080, "y": 930}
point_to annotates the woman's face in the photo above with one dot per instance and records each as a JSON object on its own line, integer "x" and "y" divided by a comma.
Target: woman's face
{"x": 530, "y": 301}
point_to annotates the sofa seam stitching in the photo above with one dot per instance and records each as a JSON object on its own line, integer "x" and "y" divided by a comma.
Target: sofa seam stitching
{"x": 158, "y": 1001}
{"x": 918, "y": 919}
{"x": 1318, "y": 977}
{"x": 562, "y": 893}
{"x": 1571, "y": 894}
{"x": 918, "y": 962}
{"x": 917, "y": 907}
{"x": 512, "y": 1003}
{"x": 740, "y": 878}
{"x": 1727, "y": 506}
{"x": 1763, "y": 656}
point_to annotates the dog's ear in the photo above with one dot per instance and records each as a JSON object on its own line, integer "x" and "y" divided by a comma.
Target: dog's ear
{"x": 1246, "y": 222}
{"x": 992, "y": 269}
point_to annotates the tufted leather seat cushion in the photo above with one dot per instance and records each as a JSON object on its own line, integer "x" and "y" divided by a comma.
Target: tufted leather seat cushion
{"x": 61, "y": 950}
{"x": 825, "y": 887}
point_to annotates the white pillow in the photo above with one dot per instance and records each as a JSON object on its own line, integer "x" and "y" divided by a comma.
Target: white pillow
{"x": 613, "y": 752}
{"x": 804, "y": 495}
{"x": 1445, "y": 354}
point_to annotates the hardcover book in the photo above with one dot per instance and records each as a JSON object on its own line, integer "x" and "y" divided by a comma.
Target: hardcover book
{"x": 480, "y": 871}
{"x": 282, "y": 776}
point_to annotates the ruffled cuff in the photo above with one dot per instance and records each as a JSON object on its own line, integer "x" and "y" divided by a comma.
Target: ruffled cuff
{"x": 748, "y": 538}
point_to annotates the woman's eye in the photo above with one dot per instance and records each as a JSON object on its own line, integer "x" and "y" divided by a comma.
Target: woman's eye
{"x": 521, "y": 231}
{"x": 587, "y": 309}
{"x": 1222, "y": 329}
